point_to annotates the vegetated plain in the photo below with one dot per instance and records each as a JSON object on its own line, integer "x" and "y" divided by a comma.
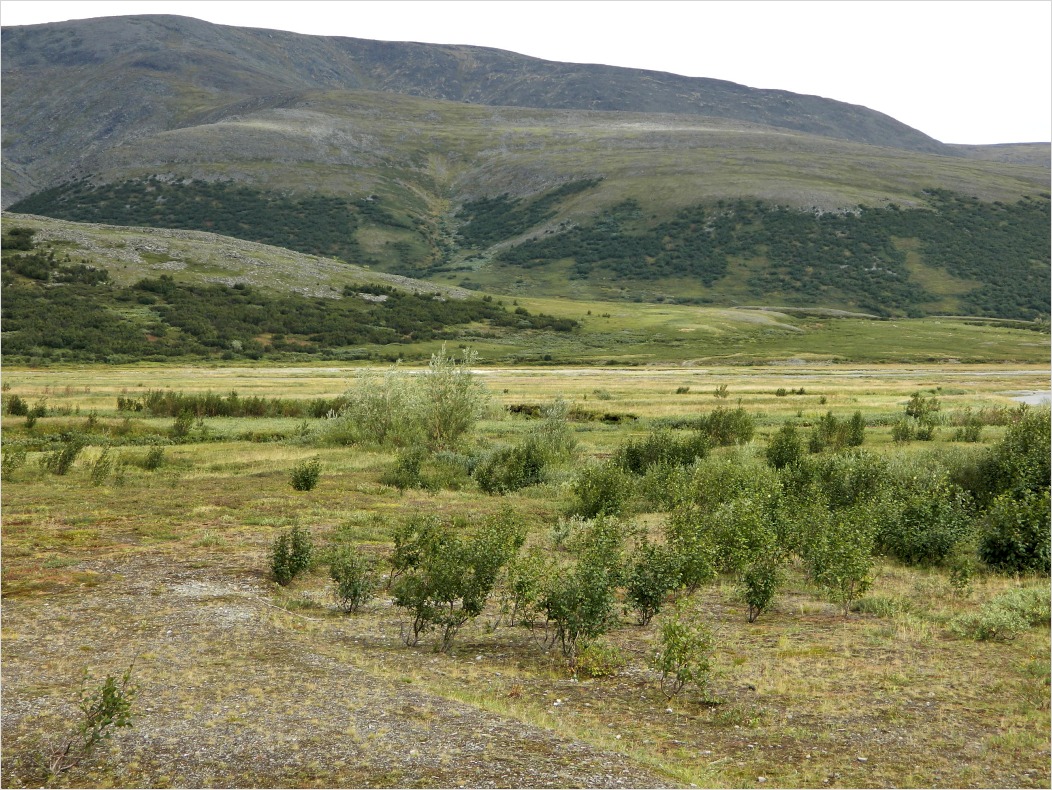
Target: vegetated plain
{"x": 165, "y": 566}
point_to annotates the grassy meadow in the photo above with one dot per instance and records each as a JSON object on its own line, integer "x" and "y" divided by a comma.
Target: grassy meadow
{"x": 245, "y": 682}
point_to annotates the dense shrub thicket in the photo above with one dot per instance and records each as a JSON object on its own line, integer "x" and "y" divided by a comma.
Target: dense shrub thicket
{"x": 489, "y": 220}
{"x": 91, "y": 319}
{"x": 849, "y": 258}
{"x": 318, "y": 224}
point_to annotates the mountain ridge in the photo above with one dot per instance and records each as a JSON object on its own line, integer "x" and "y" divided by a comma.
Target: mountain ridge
{"x": 386, "y": 154}
{"x": 221, "y": 67}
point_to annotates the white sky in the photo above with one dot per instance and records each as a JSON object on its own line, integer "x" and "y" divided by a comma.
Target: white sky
{"x": 962, "y": 71}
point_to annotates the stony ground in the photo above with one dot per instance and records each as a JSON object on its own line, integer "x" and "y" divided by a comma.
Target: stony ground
{"x": 233, "y": 693}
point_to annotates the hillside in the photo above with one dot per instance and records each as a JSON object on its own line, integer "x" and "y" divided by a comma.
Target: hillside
{"x": 489, "y": 170}
{"x": 97, "y": 293}
{"x": 91, "y": 85}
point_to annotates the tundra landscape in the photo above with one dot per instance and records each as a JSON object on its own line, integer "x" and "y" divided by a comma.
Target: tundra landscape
{"x": 403, "y": 415}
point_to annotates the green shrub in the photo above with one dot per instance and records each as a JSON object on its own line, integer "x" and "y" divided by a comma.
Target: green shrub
{"x": 452, "y": 398}
{"x": 353, "y": 576}
{"x": 665, "y": 485}
{"x": 856, "y": 430}
{"x": 759, "y": 582}
{"x": 180, "y": 429}
{"x": 784, "y": 448}
{"x": 511, "y": 468}
{"x": 304, "y": 475}
{"x": 580, "y": 601}
{"x": 14, "y": 458}
{"x": 32, "y": 415}
{"x": 1006, "y": 616}
{"x": 723, "y": 427}
{"x": 839, "y": 555}
{"x": 924, "y": 524}
{"x": 527, "y": 576}
{"x": 1031, "y": 603}
{"x": 660, "y": 448}
{"x": 653, "y": 573}
{"x": 153, "y": 459}
{"x": 903, "y": 431}
{"x": 969, "y": 426}
{"x": 744, "y": 530}
{"x": 990, "y": 624}
{"x": 291, "y": 554}
{"x": 101, "y": 467}
{"x": 414, "y": 539}
{"x": 601, "y": 489}
{"x": 451, "y": 579}
{"x": 828, "y": 432}
{"x": 717, "y": 480}
{"x": 921, "y": 408}
{"x": 1015, "y": 534}
{"x": 881, "y": 605}
{"x": 842, "y": 479}
{"x": 406, "y": 470}
{"x": 554, "y": 436}
{"x": 600, "y": 659}
{"x": 16, "y": 406}
{"x": 1020, "y": 462}
{"x": 102, "y": 712}
{"x": 380, "y": 409}
{"x": 683, "y": 655}
{"x": 688, "y": 536}
{"x": 59, "y": 461}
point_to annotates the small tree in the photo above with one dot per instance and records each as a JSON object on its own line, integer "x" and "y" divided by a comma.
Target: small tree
{"x": 353, "y": 575}
{"x": 689, "y": 538}
{"x": 291, "y": 555}
{"x": 380, "y": 409}
{"x": 60, "y": 461}
{"x": 182, "y": 426}
{"x": 102, "y": 712}
{"x": 759, "y": 583}
{"x": 580, "y": 602}
{"x": 683, "y": 655}
{"x": 453, "y": 398}
{"x": 785, "y": 447}
{"x": 653, "y": 573}
{"x": 840, "y": 555}
{"x": 921, "y": 408}
{"x": 453, "y": 578}
{"x": 304, "y": 475}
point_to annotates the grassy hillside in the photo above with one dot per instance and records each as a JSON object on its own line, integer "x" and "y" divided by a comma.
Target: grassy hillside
{"x": 130, "y": 293}
{"x": 73, "y": 90}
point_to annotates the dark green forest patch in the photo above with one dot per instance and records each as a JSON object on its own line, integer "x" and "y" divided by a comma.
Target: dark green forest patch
{"x": 812, "y": 258}
{"x": 58, "y": 310}
{"x": 316, "y": 224}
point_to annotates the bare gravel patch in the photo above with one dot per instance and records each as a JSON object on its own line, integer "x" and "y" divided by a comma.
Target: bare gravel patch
{"x": 234, "y": 694}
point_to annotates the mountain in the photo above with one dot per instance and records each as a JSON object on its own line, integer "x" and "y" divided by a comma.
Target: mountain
{"x": 482, "y": 168}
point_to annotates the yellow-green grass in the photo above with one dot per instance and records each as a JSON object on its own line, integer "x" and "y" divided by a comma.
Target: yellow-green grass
{"x": 246, "y": 683}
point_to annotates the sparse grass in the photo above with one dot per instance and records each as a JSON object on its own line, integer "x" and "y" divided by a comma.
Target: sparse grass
{"x": 247, "y": 685}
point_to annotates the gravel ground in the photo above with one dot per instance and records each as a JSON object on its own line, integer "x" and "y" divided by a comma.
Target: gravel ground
{"x": 231, "y": 696}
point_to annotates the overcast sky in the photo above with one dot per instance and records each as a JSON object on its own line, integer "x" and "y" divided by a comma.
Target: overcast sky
{"x": 962, "y": 72}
